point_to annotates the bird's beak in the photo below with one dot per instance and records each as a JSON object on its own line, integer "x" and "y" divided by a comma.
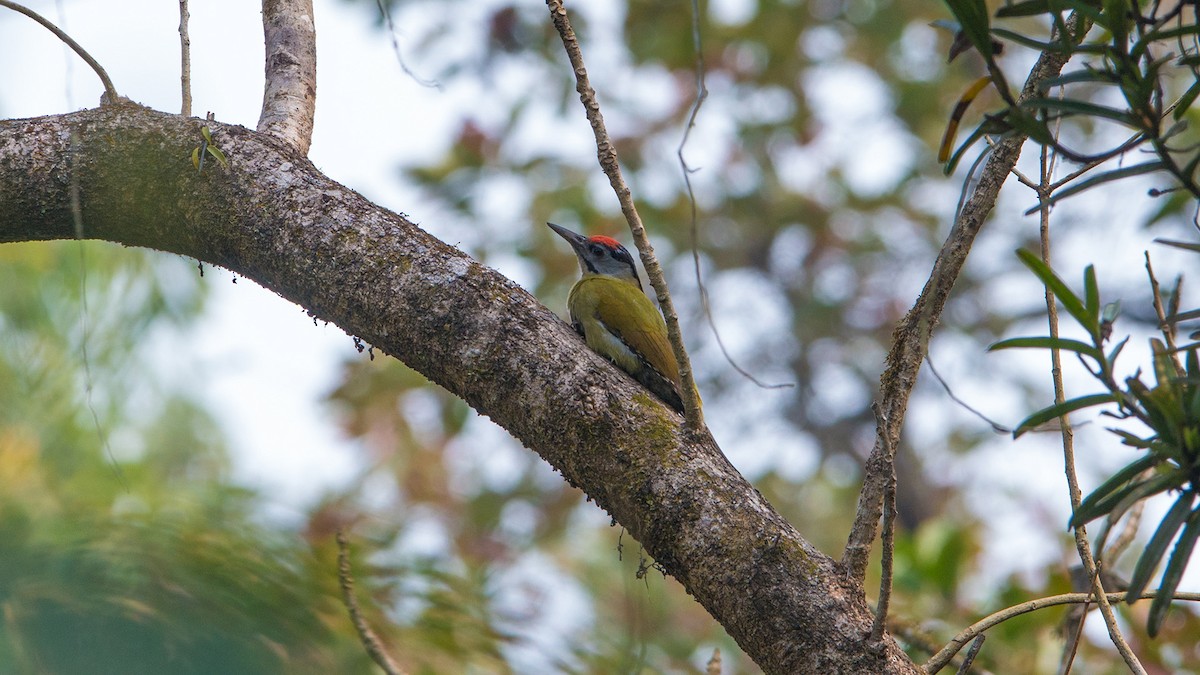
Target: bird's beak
{"x": 577, "y": 241}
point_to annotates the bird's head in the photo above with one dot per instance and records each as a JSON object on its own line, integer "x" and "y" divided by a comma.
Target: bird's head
{"x": 600, "y": 255}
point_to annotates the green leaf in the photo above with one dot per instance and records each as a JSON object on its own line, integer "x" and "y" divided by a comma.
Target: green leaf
{"x": 1087, "y": 511}
{"x": 972, "y": 15}
{"x": 1115, "y": 503}
{"x": 1066, "y": 344}
{"x": 1069, "y": 300}
{"x": 1089, "y": 75}
{"x": 1131, "y": 440}
{"x": 1186, "y": 101}
{"x": 1025, "y": 41}
{"x": 1100, "y": 179}
{"x": 1060, "y": 409}
{"x": 1076, "y": 107}
{"x": 1116, "y": 351}
{"x": 1091, "y": 291}
{"x": 1026, "y": 8}
{"x": 1175, "y": 568}
{"x": 220, "y": 156}
{"x": 1157, "y": 547}
{"x": 1187, "y": 246}
{"x": 1153, "y": 36}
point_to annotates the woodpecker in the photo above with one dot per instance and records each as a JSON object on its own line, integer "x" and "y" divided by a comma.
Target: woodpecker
{"x": 611, "y": 312}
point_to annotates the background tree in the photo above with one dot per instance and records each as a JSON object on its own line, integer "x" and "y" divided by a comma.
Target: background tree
{"x": 805, "y": 232}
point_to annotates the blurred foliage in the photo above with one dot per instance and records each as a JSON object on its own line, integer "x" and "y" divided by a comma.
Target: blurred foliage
{"x": 157, "y": 563}
{"x": 820, "y": 211}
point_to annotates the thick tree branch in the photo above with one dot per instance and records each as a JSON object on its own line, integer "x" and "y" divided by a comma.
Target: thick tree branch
{"x": 272, "y": 217}
{"x": 290, "y": 92}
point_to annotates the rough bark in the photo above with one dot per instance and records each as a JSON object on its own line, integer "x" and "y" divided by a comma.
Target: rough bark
{"x": 290, "y": 92}
{"x": 272, "y": 217}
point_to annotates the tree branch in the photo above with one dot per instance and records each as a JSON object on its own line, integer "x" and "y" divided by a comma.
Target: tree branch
{"x": 910, "y": 341}
{"x": 290, "y": 92}
{"x": 272, "y": 217}
{"x": 110, "y": 92}
{"x": 943, "y": 657}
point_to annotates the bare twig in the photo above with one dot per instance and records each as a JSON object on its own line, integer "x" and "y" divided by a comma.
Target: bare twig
{"x": 1068, "y": 434}
{"x": 687, "y": 171}
{"x": 889, "y": 520}
{"x": 1164, "y": 326}
{"x": 607, "y": 154}
{"x": 290, "y": 93}
{"x": 996, "y": 426}
{"x": 965, "y": 666}
{"x": 110, "y": 92}
{"x": 943, "y": 657}
{"x": 369, "y": 639}
{"x": 387, "y": 20}
{"x": 910, "y": 340}
{"x": 185, "y": 60}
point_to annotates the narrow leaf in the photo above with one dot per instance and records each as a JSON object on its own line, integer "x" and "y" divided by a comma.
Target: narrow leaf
{"x": 1026, "y": 8}
{"x": 1060, "y": 409}
{"x": 1086, "y": 511}
{"x": 1157, "y": 548}
{"x": 1025, "y": 41}
{"x": 1100, "y": 179}
{"x": 1171, "y": 577}
{"x": 1131, "y": 440}
{"x": 1069, "y": 300}
{"x": 973, "y": 16}
{"x": 1090, "y": 75}
{"x": 1077, "y": 107}
{"x": 1091, "y": 291}
{"x": 1187, "y": 246}
{"x": 1077, "y": 346}
{"x": 1116, "y": 351}
{"x": 1116, "y": 503}
{"x": 1186, "y": 101}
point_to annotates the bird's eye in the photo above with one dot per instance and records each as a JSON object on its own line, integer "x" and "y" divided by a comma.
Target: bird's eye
{"x": 597, "y": 251}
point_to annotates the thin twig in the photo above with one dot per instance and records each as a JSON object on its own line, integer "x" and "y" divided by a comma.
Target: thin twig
{"x": 185, "y": 60}
{"x": 110, "y": 92}
{"x": 1165, "y": 327}
{"x": 996, "y": 426}
{"x": 888, "y": 539}
{"x": 387, "y": 19}
{"x": 687, "y": 171}
{"x": 939, "y": 660}
{"x": 1068, "y": 435}
{"x": 607, "y": 154}
{"x": 969, "y": 659}
{"x": 369, "y": 639}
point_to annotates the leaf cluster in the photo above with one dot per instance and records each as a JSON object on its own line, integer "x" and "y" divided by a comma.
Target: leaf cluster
{"x": 1125, "y": 78}
{"x": 1169, "y": 405}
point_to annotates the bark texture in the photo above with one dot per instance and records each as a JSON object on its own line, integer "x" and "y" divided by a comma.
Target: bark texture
{"x": 272, "y": 217}
{"x": 290, "y": 93}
